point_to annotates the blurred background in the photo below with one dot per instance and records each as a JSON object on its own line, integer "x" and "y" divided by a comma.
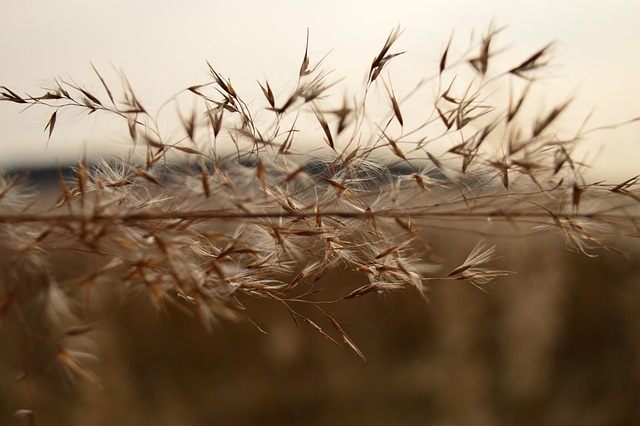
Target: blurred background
{"x": 162, "y": 49}
{"x": 556, "y": 343}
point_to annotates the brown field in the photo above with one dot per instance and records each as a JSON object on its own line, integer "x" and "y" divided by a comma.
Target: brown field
{"x": 556, "y": 343}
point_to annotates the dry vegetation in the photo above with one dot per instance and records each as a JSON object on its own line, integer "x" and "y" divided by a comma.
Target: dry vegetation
{"x": 238, "y": 207}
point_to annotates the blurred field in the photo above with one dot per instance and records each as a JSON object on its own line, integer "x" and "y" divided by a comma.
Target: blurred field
{"x": 556, "y": 343}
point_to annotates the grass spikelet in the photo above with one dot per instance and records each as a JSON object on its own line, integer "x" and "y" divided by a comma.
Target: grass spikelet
{"x": 383, "y": 57}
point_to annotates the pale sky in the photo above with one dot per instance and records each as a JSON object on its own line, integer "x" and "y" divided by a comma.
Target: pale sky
{"x": 162, "y": 48}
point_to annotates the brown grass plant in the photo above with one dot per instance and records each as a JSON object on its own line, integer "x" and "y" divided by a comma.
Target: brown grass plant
{"x": 239, "y": 204}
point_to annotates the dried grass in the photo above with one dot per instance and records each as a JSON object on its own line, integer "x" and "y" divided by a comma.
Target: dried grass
{"x": 236, "y": 207}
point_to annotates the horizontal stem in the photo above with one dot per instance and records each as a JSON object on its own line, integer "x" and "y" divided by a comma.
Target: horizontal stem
{"x": 216, "y": 215}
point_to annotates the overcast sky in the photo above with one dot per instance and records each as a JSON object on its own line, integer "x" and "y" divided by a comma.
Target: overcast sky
{"x": 162, "y": 48}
